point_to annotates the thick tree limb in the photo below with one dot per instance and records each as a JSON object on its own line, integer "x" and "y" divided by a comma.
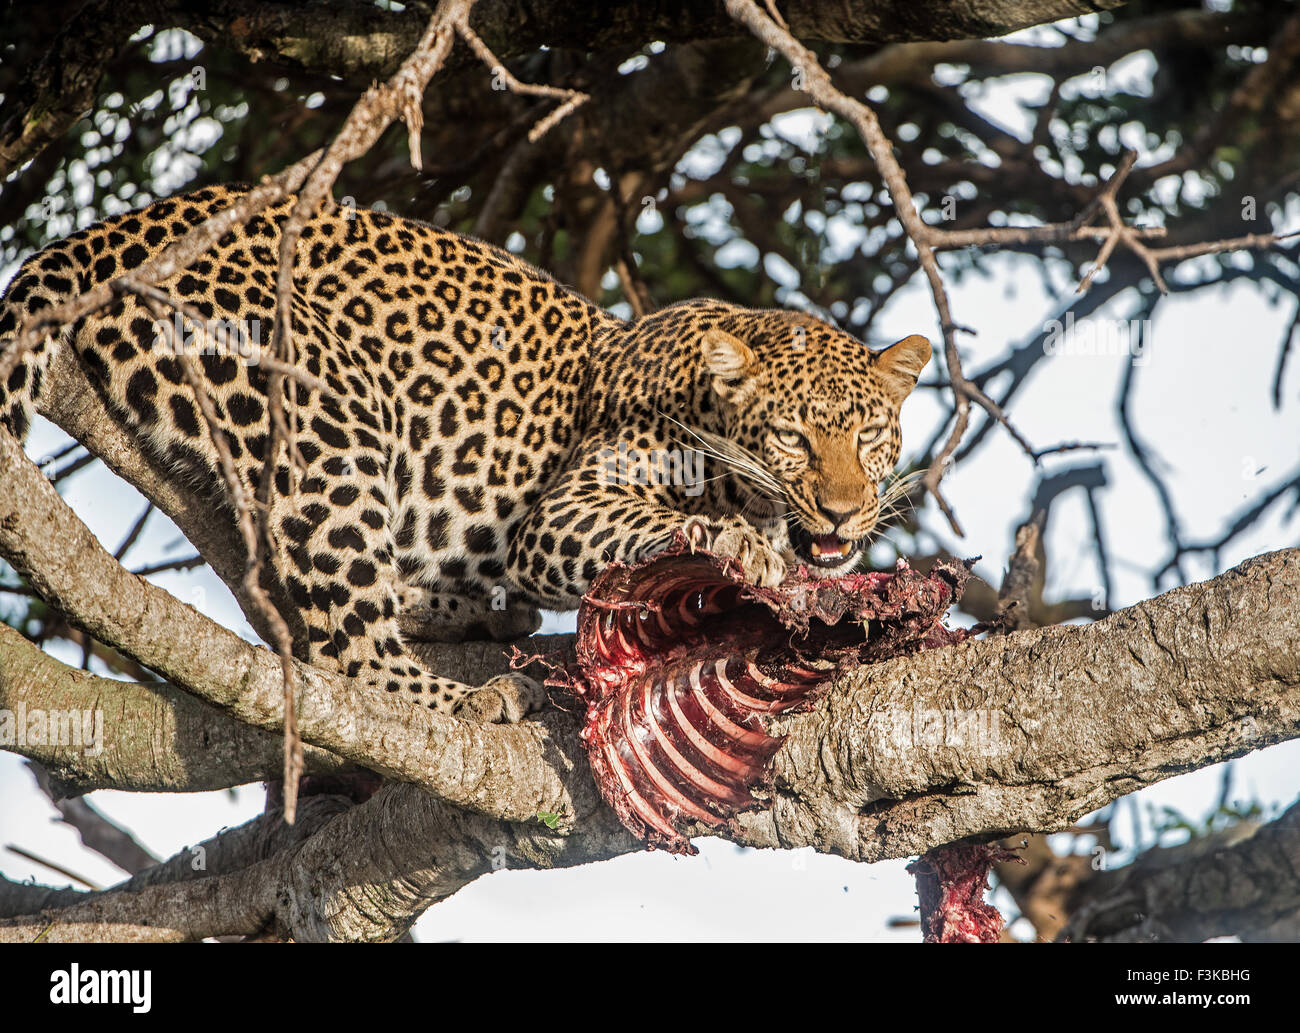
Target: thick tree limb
{"x": 229, "y": 851}
{"x": 1245, "y": 881}
{"x": 402, "y": 851}
{"x": 406, "y": 851}
{"x": 155, "y": 738}
{"x": 509, "y": 772}
{"x": 1084, "y": 715}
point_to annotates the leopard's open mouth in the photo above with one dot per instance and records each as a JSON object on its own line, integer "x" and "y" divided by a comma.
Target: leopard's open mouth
{"x": 823, "y": 551}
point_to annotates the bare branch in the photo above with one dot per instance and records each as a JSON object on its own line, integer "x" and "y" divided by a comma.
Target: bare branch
{"x": 174, "y": 258}
{"x": 571, "y": 99}
{"x": 1222, "y": 885}
{"x": 1022, "y": 572}
{"x": 97, "y": 832}
{"x": 150, "y": 737}
{"x": 53, "y": 866}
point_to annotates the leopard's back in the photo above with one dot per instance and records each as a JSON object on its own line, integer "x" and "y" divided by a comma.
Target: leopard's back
{"x": 452, "y": 371}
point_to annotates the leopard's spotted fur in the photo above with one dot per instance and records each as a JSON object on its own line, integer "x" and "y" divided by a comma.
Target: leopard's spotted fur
{"x": 469, "y": 441}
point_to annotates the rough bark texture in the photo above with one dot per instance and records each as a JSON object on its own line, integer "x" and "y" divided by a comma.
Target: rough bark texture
{"x": 1243, "y": 883}
{"x": 157, "y": 738}
{"x": 1084, "y": 715}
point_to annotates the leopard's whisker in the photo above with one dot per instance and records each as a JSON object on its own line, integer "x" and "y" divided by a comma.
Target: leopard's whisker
{"x": 754, "y": 497}
{"x": 898, "y": 486}
{"x": 887, "y": 513}
{"x": 735, "y": 456}
{"x": 721, "y": 476}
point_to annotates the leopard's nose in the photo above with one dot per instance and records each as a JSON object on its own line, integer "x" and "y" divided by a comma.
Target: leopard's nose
{"x": 836, "y": 515}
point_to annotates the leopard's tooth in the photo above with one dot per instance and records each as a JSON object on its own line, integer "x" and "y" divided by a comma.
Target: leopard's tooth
{"x": 844, "y": 548}
{"x": 816, "y": 549}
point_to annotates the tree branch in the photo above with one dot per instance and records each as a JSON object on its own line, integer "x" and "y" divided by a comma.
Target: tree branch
{"x": 154, "y": 737}
{"x": 97, "y": 832}
{"x": 504, "y": 771}
{"x": 1084, "y": 715}
{"x": 1221, "y": 885}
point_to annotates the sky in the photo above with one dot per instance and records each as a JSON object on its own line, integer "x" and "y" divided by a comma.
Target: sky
{"x": 1201, "y": 402}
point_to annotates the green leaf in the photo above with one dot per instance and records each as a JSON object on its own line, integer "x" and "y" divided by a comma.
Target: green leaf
{"x": 548, "y": 819}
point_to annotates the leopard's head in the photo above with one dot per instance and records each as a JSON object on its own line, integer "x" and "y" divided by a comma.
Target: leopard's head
{"x": 811, "y": 415}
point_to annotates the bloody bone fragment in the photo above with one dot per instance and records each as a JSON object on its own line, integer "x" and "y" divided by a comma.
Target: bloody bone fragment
{"x": 681, "y": 665}
{"x": 950, "y": 885}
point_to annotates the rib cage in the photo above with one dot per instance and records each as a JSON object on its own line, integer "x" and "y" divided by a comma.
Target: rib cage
{"x": 682, "y": 666}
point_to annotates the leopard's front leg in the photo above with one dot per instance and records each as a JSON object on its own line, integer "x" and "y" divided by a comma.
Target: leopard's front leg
{"x": 591, "y": 517}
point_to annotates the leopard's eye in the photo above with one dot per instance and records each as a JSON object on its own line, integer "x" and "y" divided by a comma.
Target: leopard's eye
{"x": 869, "y": 436}
{"x": 791, "y": 438}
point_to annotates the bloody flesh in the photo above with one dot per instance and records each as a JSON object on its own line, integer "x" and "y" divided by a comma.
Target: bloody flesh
{"x": 682, "y": 665}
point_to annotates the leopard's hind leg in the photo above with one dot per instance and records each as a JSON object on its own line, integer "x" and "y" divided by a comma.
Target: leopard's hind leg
{"x": 337, "y": 563}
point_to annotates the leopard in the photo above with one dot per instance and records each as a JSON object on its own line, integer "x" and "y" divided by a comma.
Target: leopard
{"x": 469, "y": 427}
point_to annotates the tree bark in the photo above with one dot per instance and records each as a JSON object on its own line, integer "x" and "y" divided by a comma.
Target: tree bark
{"x": 1242, "y": 882}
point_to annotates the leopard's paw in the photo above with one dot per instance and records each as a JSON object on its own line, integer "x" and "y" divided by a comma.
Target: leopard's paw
{"x": 502, "y": 700}
{"x": 760, "y": 563}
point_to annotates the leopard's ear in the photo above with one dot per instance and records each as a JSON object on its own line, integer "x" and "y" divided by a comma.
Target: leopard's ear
{"x": 729, "y": 359}
{"x": 900, "y": 364}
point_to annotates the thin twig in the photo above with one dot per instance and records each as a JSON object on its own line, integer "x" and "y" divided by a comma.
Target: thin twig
{"x": 572, "y": 99}
{"x": 188, "y": 563}
{"x": 634, "y": 289}
{"x": 240, "y": 499}
{"x": 133, "y": 535}
{"x": 52, "y": 866}
{"x": 1288, "y": 338}
{"x": 174, "y": 258}
{"x": 244, "y": 349}
{"x": 80, "y": 463}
